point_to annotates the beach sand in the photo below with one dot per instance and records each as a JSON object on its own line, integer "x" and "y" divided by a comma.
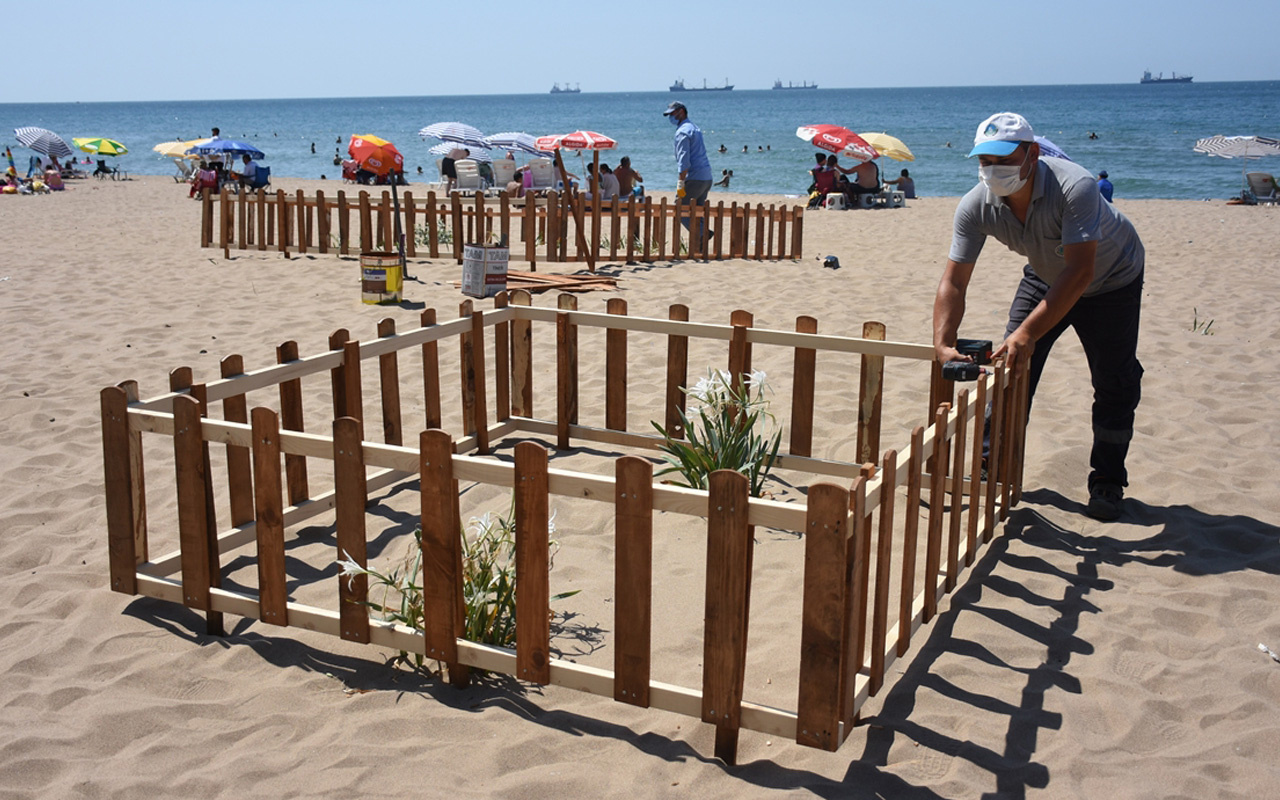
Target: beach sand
{"x": 1080, "y": 659}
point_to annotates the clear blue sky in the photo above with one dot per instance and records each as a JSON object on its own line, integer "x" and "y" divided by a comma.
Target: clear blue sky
{"x": 266, "y": 49}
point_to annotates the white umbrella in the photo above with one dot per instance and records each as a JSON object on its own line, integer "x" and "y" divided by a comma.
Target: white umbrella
{"x": 43, "y": 141}
{"x": 1244, "y": 147}
{"x": 445, "y": 148}
{"x": 458, "y": 132}
{"x": 516, "y": 140}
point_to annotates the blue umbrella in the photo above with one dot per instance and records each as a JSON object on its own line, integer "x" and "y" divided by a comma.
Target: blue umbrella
{"x": 227, "y": 147}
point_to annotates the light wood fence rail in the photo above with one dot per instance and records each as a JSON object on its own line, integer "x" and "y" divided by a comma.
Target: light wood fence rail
{"x": 849, "y": 516}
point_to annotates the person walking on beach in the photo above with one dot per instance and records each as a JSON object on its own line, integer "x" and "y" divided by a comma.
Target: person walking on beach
{"x": 1105, "y": 187}
{"x": 694, "y": 180}
{"x": 1085, "y": 271}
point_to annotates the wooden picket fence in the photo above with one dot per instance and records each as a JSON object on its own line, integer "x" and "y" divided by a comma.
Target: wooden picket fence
{"x": 560, "y": 227}
{"x": 853, "y": 516}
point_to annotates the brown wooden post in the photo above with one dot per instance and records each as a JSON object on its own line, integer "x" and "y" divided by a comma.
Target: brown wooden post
{"x": 566, "y": 370}
{"x": 198, "y": 540}
{"x": 854, "y": 622}
{"x": 677, "y": 373}
{"x": 239, "y": 466}
{"x": 282, "y": 222}
{"x": 937, "y": 480}
{"x": 797, "y": 233}
{"x": 466, "y": 367}
{"x": 782, "y": 233}
{"x": 728, "y": 587}
{"x": 456, "y": 219}
{"x": 351, "y": 376}
{"x": 433, "y": 227}
{"x": 389, "y": 380}
{"x": 677, "y": 209}
{"x": 482, "y": 233}
{"x": 322, "y": 222}
{"x": 553, "y": 226}
{"x": 117, "y": 467}
{"x": 802, "y": 392}
{"x": 262, "y": 213}
{"x": 442, "y": 585}
{"x": 533, "y": 595}
{"x": 910, "y": 538}
{"x": 242, "y": 234}
{"x": 957, "y": 490}
{"x": 295, "y": 466}
{"x": 206, "y": 218}
{"x": 739, "y": 347}
{"x": 224, "y": 223}
{"x": 615, "y": 382}
{"x": 304, "y": 229}
{"x": 504, "y": 220}
{"x": 735, "y": 230}
{"x": 337, "y": 375}
{"x": 431, "y": 373}
{"x": 366, "y": 223}
{"x": 995, "y": 453}
{"x": 350, "y": 496}
{"x": 344, "y": 224}
{"x": 632, "y": 225}
{"x": 270, "y": 214}
{"x": 1020, "y": 430}
{"x": 522, "y": 357}
{"x": 410, "y": 226}
{"x": 662, "y": 229}
{"x": 884, "y": 556}
{"x": 861, "y": 568}
{"x": 760, "y": 231}
{"x": 870, "y": 396}
{"x": 529, "y": 230}
{"x": 822, "y": 628}
{"x": 387, "y": 216}
{"x": 648, "y": 228}
{"x": 615, "y": 228}
{"x": 273, "y": 595}
{"x": 633, "y": 579}
{"x": 137, "y": 480}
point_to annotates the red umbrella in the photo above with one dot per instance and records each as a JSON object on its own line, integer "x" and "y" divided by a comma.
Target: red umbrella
{"x": 578, "y": 140}
{"x": 838, "y": 140}
{"x": 375, "y": 154}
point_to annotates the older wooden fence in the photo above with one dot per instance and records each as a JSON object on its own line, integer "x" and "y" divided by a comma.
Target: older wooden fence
{"x": 858, "y": 613}
{"x": 556, "y": 228}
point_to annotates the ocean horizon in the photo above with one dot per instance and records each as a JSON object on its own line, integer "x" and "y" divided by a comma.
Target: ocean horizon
{"x": 1141, "y": 134}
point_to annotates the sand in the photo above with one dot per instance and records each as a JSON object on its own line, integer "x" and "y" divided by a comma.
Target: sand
{"x": 1080, "y": 659}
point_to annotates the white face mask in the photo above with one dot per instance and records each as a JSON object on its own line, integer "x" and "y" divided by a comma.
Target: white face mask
{"x": 1002, "y": 180}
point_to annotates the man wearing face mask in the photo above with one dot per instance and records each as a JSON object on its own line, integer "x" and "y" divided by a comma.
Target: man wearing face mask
{"x": 694, "y": 179}
{"x": 1084, "y": 271}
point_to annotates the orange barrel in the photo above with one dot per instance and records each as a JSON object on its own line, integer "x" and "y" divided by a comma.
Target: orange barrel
{"x": 381, "y": 278}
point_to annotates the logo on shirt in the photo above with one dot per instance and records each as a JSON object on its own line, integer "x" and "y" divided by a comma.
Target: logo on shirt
{"x": 1060, "y": 251}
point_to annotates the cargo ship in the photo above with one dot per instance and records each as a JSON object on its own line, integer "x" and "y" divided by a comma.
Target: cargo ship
{"x": 790, "y": 85}
{"x": 1160, "y": 78}
{"x": 679, "y": 86}
{"x": 555, "y": 89}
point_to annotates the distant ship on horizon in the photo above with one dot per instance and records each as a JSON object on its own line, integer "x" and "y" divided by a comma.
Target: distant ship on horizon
{"x": 555, "y": 89}
{"x": 679, "y": 86}
{"x": 1160, "y": 78}
{"x": 804, "y": 85}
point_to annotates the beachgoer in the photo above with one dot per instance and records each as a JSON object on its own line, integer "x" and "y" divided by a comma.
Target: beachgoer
{"x": 628, "y": 178}
{"x": 906, "y": 183}
{"x": 725, "y": 176}
{"x": 744, "y": 148}
{"x": 866, "y": 178}
{"x": 723, "y": 149}
{"x": 217, "y": 133}
{"x": 515, "y": 186}
{"x": 248, "y": 172}
{"x": 1105, "y": 187}
{"x": 313, "y": 148}
{"x": 53, "y": 178}
{"x": 1085, "y": 271}
{"x": 205, "y": 178}
{"x": 694, "y": 168}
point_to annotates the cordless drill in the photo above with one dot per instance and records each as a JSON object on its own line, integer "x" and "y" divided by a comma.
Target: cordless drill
{"x": 977, "y": 349}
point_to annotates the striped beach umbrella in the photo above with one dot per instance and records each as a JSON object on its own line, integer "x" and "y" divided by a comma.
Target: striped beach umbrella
{"x": 445, "y": 148}
{"x": 578, "y": 140}
{"x": 838, "y": 140}
{"x": 103, "y": 147}
{"x": 1238, "y": 146}
{"x": 458, "y": 132}
{"x": 43, "y": 141}
{"x": 515, "y": 141}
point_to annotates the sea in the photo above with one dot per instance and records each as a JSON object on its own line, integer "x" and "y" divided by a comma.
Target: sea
{"x": 1142, "y": 135}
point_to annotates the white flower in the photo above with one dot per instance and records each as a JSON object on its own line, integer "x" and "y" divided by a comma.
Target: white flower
{"x": 350, "y": 568}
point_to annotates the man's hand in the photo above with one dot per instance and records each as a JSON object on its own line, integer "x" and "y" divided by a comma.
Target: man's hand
{"x": 1016, "y": 349}
{"x": 946, "y": 353}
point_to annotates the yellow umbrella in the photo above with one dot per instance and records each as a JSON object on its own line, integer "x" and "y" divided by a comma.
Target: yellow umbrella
{"x": 890, "y": 146}
{"x": 103, "y": 147}
{"x": 179, "y": 148}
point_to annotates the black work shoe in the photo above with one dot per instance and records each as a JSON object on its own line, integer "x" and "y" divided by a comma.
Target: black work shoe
{"x": 1106, "y": 501}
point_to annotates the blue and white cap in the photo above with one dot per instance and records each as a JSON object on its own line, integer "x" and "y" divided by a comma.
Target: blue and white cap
{"x": 1000, "y": 134}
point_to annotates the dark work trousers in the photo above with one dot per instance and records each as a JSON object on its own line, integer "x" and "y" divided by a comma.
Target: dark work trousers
{"x": 1107, "y": 326}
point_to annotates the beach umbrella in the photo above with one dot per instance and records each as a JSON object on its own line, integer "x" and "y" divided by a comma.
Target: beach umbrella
{"x": 100, "y": 146}
{"x": 233, "y": 148}
{"x": 578, "y": 140}
{"x": 377, "y": 155}
{"x": 515, "y": 141}
{"x": 43, "y": 141}
{"x": 890, "y": 146}
{"x": 1242, "y": 147}
{"x": 458, "y": 132}
{"x": 838, "y": 140}
{"x": 178, "y": 148}
{"x": 1048, "y": 148}
{"x": 448, "y": 148}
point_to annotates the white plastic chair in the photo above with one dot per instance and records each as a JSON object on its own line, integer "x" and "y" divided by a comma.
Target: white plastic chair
{"x": 468, "y": 176}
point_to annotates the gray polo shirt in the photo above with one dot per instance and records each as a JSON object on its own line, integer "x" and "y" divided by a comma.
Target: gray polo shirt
{"x": 1066, "y": 208}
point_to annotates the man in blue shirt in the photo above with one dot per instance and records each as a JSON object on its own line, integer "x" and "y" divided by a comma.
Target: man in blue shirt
{"x": 1104, "y": 186}
{"x": 694, "y": 181}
